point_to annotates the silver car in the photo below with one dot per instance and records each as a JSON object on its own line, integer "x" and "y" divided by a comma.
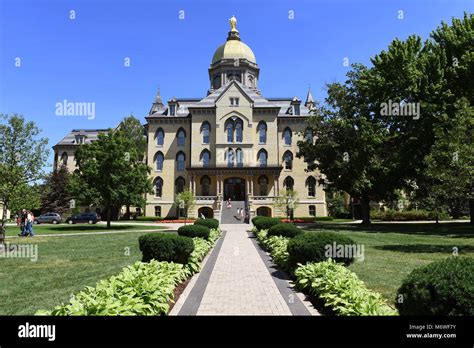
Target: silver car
{"x": 48, "y": 218}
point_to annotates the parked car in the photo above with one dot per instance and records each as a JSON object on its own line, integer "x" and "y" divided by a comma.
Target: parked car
{"x": 48, "y": 218}
{"x": 91, "y": 218}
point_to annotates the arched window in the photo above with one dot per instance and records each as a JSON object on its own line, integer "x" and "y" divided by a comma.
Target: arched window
{"x": 238, "y": 130}
{"x": 205, "y": 185}
{"x": 159, "y": 159}
{"x": 158, "y": 187}
{"x": 181, "y": 135}
{"x": 205, "y": 131}
{"x": 262, "y": 132}
{"x": 205, "y": 158}
{"x": 180, "y": 159}
{"x": 288, "y": 159}
{"x": 230, "y": 131}
{"x": 263, "y": 185}
{"x": 309, "y": 135}
{"x": 287, "y": 135}
{"x": 234, "y": 128}
{"x": 262, "y": 158}
{"x": 239, "y": 156}
{"x": 229, "y": 157}
{"x": 311, "y": 183}
{"x": 179, "y": 183}
{"x": 160, "y": 137}
{"x": 64, "y": 158}
{"x": 289, "y": 183}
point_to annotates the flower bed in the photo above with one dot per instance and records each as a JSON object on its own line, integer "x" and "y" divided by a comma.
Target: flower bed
{"x": 144, "y": 288}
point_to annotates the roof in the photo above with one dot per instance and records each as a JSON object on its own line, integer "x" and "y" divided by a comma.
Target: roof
{"x": 90, "y": 135}
{"x": 285, "y": 105}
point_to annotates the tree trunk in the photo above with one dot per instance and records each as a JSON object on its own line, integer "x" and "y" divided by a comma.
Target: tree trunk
{"x": 127, "y": 213}
{"x": 471, "y": 210}
{"x": 365, "y": 207}
{"x": 109, "y": 213}
{"x": 3, "y": 227}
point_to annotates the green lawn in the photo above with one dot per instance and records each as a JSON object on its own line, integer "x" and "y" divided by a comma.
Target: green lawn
{"x": 393, "y": 250}
{"x": 79, "y": 228}
{"x": 65, "y": 265}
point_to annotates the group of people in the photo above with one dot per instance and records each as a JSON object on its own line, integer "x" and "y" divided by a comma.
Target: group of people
{"x": 25, "y": 221}
{"x": 241, "y": 212}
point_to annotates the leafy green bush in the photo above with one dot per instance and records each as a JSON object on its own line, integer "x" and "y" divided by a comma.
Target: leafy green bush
{"x": 209, "y": 223}
{"x": 264, "y": 223}
{"x": 340, "y": 289}
{"x": 201, "y": 249}
{"x": 165, "y": 247}
{"x": 194, "y": 231}
{"x": 140, "y": 289}
{"x": 313, "y": 247}
{"x": 277, "y": 246}
{"x": 440, "y": 288}
{"x": 254, "y": 219}
{"x": 285, "y": 230}
{"x": 324, "y": 218}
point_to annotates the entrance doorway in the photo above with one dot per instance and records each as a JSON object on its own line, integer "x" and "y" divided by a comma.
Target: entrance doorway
{"x": 234, "y": 188}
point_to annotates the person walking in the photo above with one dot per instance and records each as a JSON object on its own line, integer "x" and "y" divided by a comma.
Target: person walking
{"x": 23, "y": 216}
{"x": 29, "y": 224}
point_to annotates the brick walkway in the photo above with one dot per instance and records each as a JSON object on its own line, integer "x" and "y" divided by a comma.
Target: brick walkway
{"x": 240, "y": 283}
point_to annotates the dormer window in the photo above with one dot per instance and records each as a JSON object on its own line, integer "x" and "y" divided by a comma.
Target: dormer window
{"x": 172, "y": 110}
{"x": 234, "y": 101}
{"x": 296, "y": 109}
{"x": 80, "y": 139}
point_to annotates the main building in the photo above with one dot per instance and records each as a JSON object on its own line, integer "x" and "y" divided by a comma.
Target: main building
{"x": 234, "y": 143}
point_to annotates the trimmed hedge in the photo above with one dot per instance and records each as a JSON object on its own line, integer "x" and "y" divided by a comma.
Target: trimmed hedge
{"x": 209, "y": 223}
{"x": 406, "y": 215}
{"x": 284, "y": 230}
{"x": 165, "y": 247}
{"x": 312, "y": 247}
{"x": 440, "y": 288}
{"x": 193, "y": 231}
{"x": 264, "y": 223}
{"x": 340, "y": 289}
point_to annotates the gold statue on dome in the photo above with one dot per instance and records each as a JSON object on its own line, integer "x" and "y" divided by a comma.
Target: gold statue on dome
{"x": 233, "y": 23}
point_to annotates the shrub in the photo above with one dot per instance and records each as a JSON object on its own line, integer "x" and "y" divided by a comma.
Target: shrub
{"x": 340, "y": 289}
{"x": 165, "y": 247}
{"x": 285, "y": 230}
{"x": 264, "y": 223}
{"x": 194, "y": 231}
{"x": 312, "y": 247}
{"x": 201, "y": 249}
{"x": 209, "y": 223}
{"x": 140, "y": 289}
{"x": 440, "y": 288}
{"x": 406, "y": 215}
{"x": 254, "y": 219}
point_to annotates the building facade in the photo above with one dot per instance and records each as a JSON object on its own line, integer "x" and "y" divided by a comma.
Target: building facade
{"x": 233, "y": 143}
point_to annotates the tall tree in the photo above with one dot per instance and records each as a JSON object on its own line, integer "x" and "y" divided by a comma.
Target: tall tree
{"x": 23, "y": 155}
{"x": 288, "y": 201}
{"x": 56, "y": 196}
{"x": 136, "y": 133}
{"x": 184, "y": 201}
{"x": 110, "y": 172}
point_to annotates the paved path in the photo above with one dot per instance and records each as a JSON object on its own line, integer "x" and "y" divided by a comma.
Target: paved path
{"x": 228, "y": 215}
{"x": 236, "y": 282}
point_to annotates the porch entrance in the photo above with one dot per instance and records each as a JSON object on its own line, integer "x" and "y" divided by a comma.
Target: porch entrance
{"x": 234, "y": 188}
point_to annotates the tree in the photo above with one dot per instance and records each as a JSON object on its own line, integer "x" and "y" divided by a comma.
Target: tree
{"x": 110, "y": 172}
{"x": 287, "y": 200}
{"x": 136, "y": 133}
{"x": 22, "y": 157}
{"x": 28, "y": 197}
{"x": 56, "y": 196}
{"x": 184, "y": 201}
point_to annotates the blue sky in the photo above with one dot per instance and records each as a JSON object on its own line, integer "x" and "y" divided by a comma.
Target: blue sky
{"x": 82, "y": 60}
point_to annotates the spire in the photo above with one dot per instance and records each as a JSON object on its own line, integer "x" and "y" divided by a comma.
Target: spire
{"x": 233, "y": 33}
{"x": 310, "y": 102}
{"x": 157, "y": 104}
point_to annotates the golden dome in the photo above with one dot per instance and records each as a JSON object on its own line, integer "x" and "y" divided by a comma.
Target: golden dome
{"x": 234, "y": 49}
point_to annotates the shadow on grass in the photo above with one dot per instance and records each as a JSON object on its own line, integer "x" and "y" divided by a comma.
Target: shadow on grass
{"x": 426, "y": 248}
{"x": 460, "y": 230}
{"x": 86, "y": 227}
